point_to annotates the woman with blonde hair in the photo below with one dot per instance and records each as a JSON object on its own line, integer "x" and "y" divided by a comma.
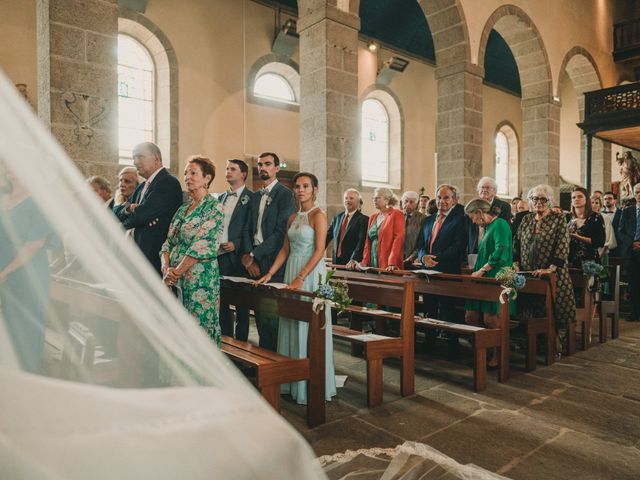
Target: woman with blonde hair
{"x": 384, "y": 247}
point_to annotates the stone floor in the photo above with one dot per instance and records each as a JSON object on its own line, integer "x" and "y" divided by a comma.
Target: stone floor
{"x": 577, "y": 419}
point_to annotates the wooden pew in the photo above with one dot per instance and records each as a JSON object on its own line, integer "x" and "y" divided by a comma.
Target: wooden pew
{"x": 584, "y": 310}
{"x": 535, "y": 326}
{"x": 611, "y": 306}
{"x": 388, "y": 292}
{"x": 462, "y": 286}
{"x": 273, "y": 369}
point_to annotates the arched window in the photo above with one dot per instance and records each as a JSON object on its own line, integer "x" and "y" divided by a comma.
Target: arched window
{"x": 136, "y": 94}
{"x": 502, "y": 163}
{"x": 274, "y": 87}
{"x": 375, "y": 142}
{"x": 506, "y": 156}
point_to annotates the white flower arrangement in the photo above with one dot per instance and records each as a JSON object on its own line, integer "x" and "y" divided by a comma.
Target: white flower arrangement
{"x": 244, "y": 200}
{"x": 269, "y": 199}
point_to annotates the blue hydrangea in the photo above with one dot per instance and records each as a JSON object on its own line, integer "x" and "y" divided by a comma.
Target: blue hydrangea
{"x": 591, "y": 268}
{"x": 326, "y": 291}
{"x": 520, "y": 281}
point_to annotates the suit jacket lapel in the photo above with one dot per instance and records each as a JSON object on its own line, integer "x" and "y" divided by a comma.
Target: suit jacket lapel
{"x": 354, "y": 217}
{"x": 239, "y": 204}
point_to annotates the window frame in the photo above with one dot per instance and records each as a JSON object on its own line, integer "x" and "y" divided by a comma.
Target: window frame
{"x": 154, "y": 126}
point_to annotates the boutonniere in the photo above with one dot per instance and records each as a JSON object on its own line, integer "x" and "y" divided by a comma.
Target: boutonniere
{"x": 269, "y": 199}
{"x": 245, "y": 199}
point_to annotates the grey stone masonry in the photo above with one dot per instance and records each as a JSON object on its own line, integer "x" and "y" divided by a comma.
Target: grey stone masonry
{"x": 459, "y": 127}
{"x": 329, "y": 99}
{"x": 541, "y": 142}
{"x": 77, "y": 79}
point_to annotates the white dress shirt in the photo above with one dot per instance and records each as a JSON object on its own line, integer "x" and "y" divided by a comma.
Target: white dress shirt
{"x": 257, "y": 238}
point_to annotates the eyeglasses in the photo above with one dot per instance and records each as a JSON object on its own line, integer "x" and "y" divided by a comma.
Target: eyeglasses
{"x": 539, "y": 199}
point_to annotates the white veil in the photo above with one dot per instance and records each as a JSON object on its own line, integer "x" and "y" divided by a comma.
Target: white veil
{"x": 103, "y": 374}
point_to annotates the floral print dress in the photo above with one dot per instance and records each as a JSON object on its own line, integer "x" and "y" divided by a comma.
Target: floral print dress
{"x": 195, "y": 234}
{"x": 539, "y": 250}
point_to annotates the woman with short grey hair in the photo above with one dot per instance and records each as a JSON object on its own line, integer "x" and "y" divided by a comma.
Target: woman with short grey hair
{"x": 541, "y": 246}
{"x": 495, "y": 251}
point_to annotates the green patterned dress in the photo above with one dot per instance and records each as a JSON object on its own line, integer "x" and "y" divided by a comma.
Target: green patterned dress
{"x": 550, "y": 246}
{"x": 374, "y": 233}
{"x": 195, "y": 235}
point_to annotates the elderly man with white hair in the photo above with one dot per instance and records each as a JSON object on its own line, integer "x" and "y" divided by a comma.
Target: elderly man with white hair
{"x": 413, "y": 220}
{"x": 487, "y": 189}
{"x": 348, "y": 230}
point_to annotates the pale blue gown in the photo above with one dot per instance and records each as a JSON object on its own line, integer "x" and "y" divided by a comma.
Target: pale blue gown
{"x": 292, "y": 335}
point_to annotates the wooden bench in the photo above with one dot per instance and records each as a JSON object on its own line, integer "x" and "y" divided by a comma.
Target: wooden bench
{"x": 610, "y": 307}
{"x": 460, "y": 286}
{"x": 273, "y": 369}
{"x": 535, "y": 326}
{"x": 472, "y": 288}
{"x": 390, "y": 292}
{"x": 584, "y": 310}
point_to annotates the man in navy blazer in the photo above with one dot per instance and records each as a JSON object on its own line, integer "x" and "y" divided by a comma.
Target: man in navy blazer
{"x": 153, "y": 203}
{"x": 235, "y": 241}
{"x": 442, "y": 245}
{"x": 271, "y": 209}
{"x": 487, "y": 189}
{"x": 630, "y": 236}
{"x": 350, "y": 245}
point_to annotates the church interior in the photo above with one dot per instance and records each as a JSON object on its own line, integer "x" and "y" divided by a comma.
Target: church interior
{"x": 404, "y": 95}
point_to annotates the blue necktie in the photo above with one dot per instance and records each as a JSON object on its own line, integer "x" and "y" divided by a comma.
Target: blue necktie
{"x": 637, "y": 237}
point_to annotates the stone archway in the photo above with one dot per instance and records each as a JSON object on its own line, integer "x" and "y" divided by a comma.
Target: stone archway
{"x": 459, "y": 122}
{"x": 541, "y": 114}
{"x": 582, "y": 70}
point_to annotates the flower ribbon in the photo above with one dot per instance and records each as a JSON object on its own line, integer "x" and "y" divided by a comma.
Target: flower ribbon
{"x": 507, "y": 291}
{"x": 318, "y": 302}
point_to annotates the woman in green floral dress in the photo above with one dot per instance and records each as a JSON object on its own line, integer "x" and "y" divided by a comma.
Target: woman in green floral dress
{"x": 495, "y": 251}
{"x": 189, "y": 255}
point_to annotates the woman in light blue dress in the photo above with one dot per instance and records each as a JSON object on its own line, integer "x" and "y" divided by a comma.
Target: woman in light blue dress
{"x": 303, "y": 250}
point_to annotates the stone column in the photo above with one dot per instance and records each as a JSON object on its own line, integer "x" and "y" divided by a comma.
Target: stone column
{"x": 541, "y": 143}
{"x": 329, "y": 134}
{"x": 600, "y": 165}
{"x": 459, "y": 127}
{"x": 77, "y": 80}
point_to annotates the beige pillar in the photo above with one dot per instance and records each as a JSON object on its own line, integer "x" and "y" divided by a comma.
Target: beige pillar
{"x": 77, "y": 79}
{"x": 541, "y": 143}
{"x": 329, "y": 134}
{"x": 459, "y": 127}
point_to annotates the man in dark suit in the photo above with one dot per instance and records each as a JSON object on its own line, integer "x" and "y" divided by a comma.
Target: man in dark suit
{"x": 348, "y": 230}
{"x": 487, "y": 190}
{"x": 272, "y": 207}
{"x": 153, "y": 203}
{"x": 235, "y": 241}
{"x": 611, "y": 209}
{"x": 630, "y": 236}
{"x": 412, "y": 225}
{"x": 442, "y": 245}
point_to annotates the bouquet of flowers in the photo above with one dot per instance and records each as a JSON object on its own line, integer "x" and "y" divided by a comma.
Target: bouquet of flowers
{"x": 591, "y": 268}
{"x": 331, "y": 294}
{"x": 511, "y": 281}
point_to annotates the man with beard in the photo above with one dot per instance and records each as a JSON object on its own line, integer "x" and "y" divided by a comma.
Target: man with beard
{"x": 272, "y": 206}
{"x": 413, "y": 220}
